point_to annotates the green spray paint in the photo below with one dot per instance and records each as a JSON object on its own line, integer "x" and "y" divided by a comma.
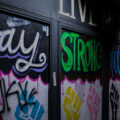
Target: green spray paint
{"x": 74, "y": 36}
{"x": 90, "y": 55}
{"x": 98, "y": 64}
{"x": 81, "y": 55}
{"x": 86, "y": 53}
{"x": 67, "y": 65}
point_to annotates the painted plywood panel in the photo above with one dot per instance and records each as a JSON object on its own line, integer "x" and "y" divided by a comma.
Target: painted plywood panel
{"x": 81, "y": 77}
{"x": 24, "y": 72}
{"x": 114, "y": 83}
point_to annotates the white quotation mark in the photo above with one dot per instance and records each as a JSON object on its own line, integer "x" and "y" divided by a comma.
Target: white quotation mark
{"x": 46, "y": 30}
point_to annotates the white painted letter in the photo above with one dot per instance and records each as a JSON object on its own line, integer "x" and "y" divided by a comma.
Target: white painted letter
{"x": 72, "y": 9}
{"x": 91, "y": 22}
{"x": 67, "y": 14}
{"x": 82, "y": 11}
{"x": 21, "y": 64}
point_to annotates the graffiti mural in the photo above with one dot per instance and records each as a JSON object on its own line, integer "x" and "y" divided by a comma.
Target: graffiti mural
{"x": 81, "y": 77}
{"x": 93, "y": 101}
{"x": 31, "y": 110}
{"x": 24, "y": 69}
{"x": 72, "y": 104}
{"x": 114, "y": 83}
{"x": 84, "y": 56}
